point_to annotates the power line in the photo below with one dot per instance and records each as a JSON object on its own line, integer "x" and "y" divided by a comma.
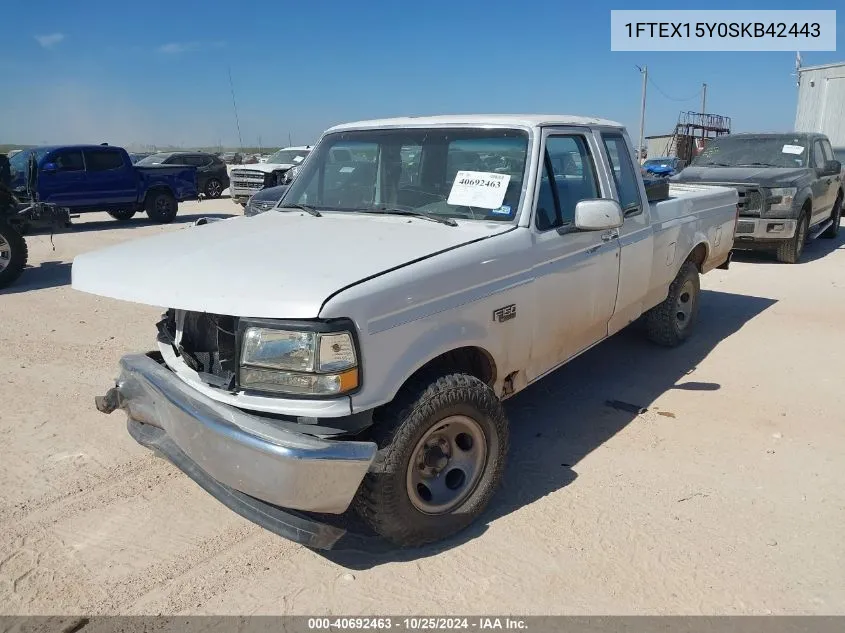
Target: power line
{"x": 695, "y": 96}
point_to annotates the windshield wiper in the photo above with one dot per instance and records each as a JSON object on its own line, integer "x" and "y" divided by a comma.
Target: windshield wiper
{"x": 711, "y": 163}
{"x": 409, "y": 212}
{"x": 757, "y": 165}
{"x": 304, "y": 207}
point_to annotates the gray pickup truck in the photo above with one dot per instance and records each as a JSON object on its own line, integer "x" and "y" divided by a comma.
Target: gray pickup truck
{"x": 790, "y": 188}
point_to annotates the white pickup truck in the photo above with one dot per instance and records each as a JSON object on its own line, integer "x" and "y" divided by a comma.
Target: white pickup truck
{"x": 353, "y": 346}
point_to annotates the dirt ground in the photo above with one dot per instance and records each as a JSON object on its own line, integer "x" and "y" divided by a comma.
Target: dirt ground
{"x": 726, "y": 497}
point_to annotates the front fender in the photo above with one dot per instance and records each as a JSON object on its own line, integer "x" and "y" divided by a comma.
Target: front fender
{"x": 432, "y": 341}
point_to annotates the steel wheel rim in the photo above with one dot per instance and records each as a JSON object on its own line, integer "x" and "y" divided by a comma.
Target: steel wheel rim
{"x": 163, "y": 205}
{"x": 685, "y": 304}
{"x": 446, "y": 465}
{"x": 5, "y": 253}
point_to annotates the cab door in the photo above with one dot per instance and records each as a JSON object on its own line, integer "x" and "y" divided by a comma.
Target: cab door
{"x": 823, "y": 190}
{"x": 575, "y": 272}
{"x": 61, "y": 178}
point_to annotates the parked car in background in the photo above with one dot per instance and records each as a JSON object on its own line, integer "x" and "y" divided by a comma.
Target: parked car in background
{"x": 790, "y": 188}
{"x": 363, "y": 360}
{"x": 103, "y": 178}
{"x": 136, "y": 156}
{"x": 663, "y": 166}
{"x": 247, "y": 180}
{"x": 212, "y": 175}
{"x": 231, "y": 158}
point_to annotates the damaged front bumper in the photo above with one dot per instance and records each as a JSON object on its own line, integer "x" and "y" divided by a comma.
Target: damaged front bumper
{"x": 237, "y": 451}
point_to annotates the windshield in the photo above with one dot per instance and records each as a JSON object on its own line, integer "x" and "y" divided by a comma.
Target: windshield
{"x": 288, "y": 157}
{"x": 19, "y": 162}
{"x": 839, "y": 154}
{"x": 751, "y": 151}
{"x": 451, "y": 173}
{"x": 153, "y": 159}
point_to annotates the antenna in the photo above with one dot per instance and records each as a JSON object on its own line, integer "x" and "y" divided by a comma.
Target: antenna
{"x": 235, "y": 107}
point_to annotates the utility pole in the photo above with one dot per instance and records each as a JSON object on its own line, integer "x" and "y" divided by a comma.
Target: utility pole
{"x": 703, "y": 98}
{"x": 644, "y": 73}
{"x": 235, "y": 108}
{"x": 290, "y": 143}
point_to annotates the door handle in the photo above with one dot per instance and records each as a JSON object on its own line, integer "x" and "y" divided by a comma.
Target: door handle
{"x": 609, "y": 235}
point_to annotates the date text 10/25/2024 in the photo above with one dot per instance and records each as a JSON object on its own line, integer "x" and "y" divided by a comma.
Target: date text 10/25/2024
{"x": 417, "y": 623}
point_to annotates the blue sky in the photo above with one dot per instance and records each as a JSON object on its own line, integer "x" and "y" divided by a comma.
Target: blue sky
{"x": 156, "y": 72}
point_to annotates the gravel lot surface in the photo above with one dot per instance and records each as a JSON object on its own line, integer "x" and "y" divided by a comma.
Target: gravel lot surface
{"x": 726, "y": 497}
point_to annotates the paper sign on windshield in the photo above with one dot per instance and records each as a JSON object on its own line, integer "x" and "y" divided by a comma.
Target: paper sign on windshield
{"x": 792, "y": 149}
{"x": 479, "y": 189}
{"x": 298, "y": 159}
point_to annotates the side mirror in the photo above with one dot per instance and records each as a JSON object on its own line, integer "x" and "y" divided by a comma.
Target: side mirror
{"x": 832, "y": 167}
{"x": 598, "y": 215}
{"x": 49, "y": 168}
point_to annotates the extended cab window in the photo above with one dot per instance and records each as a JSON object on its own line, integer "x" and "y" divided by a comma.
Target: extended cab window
{"x": 569, "y": 176}
{"x": 622, "y": 166}
{"x": 103, "y": 159}
{"x": 70, "y": 160}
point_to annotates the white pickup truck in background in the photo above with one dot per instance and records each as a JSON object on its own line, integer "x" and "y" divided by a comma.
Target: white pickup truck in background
{"x": 353, "y": 346}
{"x": 245, "y": 180}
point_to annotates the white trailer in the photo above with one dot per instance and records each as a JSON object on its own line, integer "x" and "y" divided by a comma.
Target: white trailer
{"x": 821, "y": 102}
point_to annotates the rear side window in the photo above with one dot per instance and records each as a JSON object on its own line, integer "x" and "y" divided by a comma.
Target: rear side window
{"x": 103, "y": 160}
{"x": 622, "y": 166}
{"x": 69, "y": 160}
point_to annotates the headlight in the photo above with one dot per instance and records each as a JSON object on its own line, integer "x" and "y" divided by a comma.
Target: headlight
{"x": 780, "y": 198}
{"x": 298, "y": 361}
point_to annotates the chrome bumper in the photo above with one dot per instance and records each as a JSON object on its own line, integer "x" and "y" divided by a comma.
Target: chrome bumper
{"x": 764, "y": 229}
{"x": 245, "y": 452}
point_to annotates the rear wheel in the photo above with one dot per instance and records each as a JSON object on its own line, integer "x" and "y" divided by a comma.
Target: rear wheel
{"x": 442, "y": 446}
{"x": 671, "y": 322}
{"x": 13, "y": 254}
{"x": 836, "y": 217}
{"x": 122, "y": 215}
{"x": 213, "y": 188}
{"x": 161, "y": 207}
{"x": 790, "y": 251}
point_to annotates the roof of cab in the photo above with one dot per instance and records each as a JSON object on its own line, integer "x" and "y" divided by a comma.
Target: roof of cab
{"x": 445, "y": 120}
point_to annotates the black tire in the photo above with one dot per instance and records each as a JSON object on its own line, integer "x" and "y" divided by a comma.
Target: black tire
{"x": 213, "y": 188}
{"x": 836, "y": 216}
{"x": 161, "y": 207}
{"x": 13, "y": 254}
{"x": 790, "y": 251}
{"x": 123, "y": 215}
{"x": 664, "y": 322}
{"x": 384, "y": 500}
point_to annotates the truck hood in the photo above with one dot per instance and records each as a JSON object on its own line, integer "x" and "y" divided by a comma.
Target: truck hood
{"x": 273, "y": 265}
{"x": 264, "y": 167}
{"x": 763, "y": 176}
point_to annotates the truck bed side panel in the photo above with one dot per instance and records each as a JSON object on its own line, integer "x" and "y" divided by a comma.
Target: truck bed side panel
{"x": 693, "y": 215}
{"x": 181, "y": 180}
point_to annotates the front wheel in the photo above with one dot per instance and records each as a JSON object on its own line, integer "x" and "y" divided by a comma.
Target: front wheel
{"x": 13, "y": 254}
{"x": 442, "y": 448}
{"x": 790, "y": 251}
{"x": 836, "y": 217}
{"x": 161, "y": 207}
{"x": 670, "y": 323}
